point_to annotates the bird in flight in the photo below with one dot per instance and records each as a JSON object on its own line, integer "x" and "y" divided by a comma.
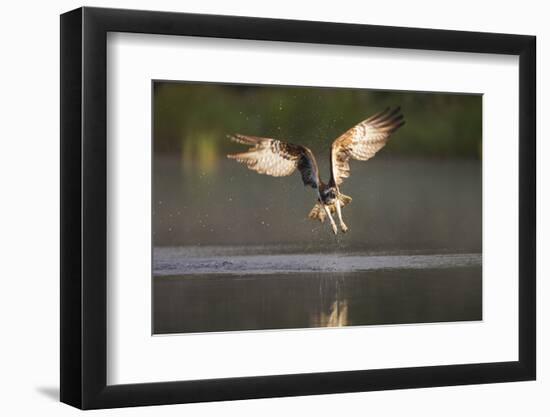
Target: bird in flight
{"x": 279, "y": 159}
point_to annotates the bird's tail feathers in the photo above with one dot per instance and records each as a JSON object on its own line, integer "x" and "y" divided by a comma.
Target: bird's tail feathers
{"x": 344, "y": 199}
{"x": 318, "y": 212}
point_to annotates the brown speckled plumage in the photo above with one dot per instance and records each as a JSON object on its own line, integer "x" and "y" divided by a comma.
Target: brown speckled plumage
{"x": 278, "y": 159}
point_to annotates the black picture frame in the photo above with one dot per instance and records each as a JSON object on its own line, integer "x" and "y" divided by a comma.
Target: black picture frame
{"x": 84, "y": 207}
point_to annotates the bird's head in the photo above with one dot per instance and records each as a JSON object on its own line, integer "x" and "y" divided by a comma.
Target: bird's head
{"x": 327, "y": 193}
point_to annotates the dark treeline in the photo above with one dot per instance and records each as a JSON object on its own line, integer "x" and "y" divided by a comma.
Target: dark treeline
{"x": 192, "y": 119}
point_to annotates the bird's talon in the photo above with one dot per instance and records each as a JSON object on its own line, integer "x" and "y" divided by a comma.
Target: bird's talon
{"x": 278, "y": 158}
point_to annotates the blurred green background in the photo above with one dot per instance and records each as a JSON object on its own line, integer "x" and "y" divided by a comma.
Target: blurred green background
{"x": 192, "y": 119}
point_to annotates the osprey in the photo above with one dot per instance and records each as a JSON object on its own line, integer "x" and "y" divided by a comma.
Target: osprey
{"x": 279, "y": 159}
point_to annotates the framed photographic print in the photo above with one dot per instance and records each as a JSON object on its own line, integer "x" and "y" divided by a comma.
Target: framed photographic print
{"x": 257, "y": 208}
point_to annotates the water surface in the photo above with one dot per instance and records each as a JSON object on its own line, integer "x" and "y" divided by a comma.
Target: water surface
{"x": 235, "y": 250}
{"x": 204, "y": 289}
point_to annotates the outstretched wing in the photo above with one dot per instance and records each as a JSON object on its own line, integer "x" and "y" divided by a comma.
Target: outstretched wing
{"x": 277, "y": 158}
{"x": 362, "y": 141}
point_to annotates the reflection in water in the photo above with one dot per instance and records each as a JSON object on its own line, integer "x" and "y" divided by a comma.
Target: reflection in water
{"x": 336, "y": 317}
{"x": 199, "y": 155}
{"x": 222, "y": 302}
{"x": 413, "y": 252}
{"x": 235, "y": 251}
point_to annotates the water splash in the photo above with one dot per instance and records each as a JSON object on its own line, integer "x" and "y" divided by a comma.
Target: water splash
{"x": 212, "y": 260}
